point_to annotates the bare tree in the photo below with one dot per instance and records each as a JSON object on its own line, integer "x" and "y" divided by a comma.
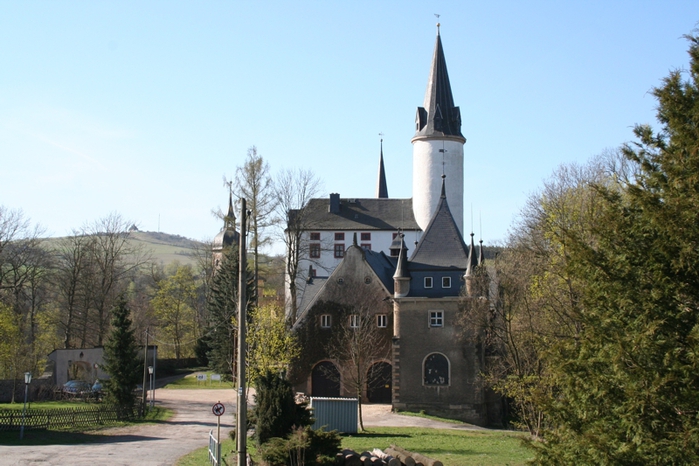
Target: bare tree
{"x": 254, "y": 183}
{"x": 113, "y": 258}
{"x": 293, "y": 189}
{"x": 358, "y": 342}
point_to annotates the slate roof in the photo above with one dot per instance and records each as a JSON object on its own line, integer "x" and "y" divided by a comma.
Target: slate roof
{"x": 438, "y": 116}
{"x": 441, "y": 245}
{"x": 383, "y": 266}
{"x": 360, "y": 214}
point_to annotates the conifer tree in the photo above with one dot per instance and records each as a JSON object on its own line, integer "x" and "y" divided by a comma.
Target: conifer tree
{"x": 121, "y": 359}
{"x": 627, "y": 390}
{"x": 276, "y": 410}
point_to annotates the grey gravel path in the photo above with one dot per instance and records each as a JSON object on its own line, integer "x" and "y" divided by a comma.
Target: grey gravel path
{"x": 163, "y": 444}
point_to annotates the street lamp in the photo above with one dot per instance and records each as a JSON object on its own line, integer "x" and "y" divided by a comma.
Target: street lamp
{"x": 27, "y": 381}
{"x": 150, "y": 372}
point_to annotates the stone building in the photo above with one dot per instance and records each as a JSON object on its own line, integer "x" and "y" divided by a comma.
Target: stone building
{"x": 424, "y": 359}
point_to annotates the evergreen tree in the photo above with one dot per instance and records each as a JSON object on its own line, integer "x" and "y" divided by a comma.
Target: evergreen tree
{"x": 627, "y": 389}
{"x": 121, "y": 359}
{"x": 276, "y": 410}
{"x": 222, "y": 305}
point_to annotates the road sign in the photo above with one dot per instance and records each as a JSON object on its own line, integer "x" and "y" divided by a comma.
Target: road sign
{"x": 218, "y": 409}
{"x": 201, "y": 377}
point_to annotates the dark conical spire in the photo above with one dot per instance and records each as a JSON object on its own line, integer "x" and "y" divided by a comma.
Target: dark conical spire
{"x": 438, "y": 116}
{"x": 229, "y": 219}
{"x": 481, "y": 256}
{"x": 381, "y": 186}
{"x": 472, "y": 259}
{"x": 402, "y": 265}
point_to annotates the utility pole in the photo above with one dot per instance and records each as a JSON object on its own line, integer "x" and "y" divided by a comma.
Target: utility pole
{"x": 241, "y": 428}
{"x": 145, "y": 374}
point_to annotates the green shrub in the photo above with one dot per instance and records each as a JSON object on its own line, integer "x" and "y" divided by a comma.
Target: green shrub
{"x": 276, "y": 410}
{"x": 303, "y": 446}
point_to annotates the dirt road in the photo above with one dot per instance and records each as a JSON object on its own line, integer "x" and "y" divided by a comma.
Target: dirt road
{"x": 146, "y": 445}
{"x": 162, "y": 444}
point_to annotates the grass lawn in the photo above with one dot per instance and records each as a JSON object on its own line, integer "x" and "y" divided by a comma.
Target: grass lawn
{"x": 190, "y": 381}
{"x": 452, "y": 447}
{"x": 70, "y": 437}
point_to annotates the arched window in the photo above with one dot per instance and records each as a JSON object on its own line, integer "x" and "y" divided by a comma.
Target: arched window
{"x": 436, "y": 370}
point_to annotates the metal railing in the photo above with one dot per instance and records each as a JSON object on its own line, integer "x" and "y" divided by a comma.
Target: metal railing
{"x": 214, "y": 450}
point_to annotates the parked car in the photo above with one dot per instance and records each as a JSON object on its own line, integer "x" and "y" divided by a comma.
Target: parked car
{"x": 76, "y": 387}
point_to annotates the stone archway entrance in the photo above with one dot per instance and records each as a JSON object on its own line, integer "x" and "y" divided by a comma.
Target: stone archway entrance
{"x": 379, "y": 383}
{"x": 325, "y": 380}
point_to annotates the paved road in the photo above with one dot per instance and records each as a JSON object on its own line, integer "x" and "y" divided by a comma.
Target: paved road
{"x": 163, "y": 444}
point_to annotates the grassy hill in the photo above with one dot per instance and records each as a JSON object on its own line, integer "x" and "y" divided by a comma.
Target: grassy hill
{"x": 165, "y": 248}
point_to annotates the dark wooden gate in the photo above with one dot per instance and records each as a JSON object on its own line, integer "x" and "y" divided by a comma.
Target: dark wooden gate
{"x": 379, "y": 383}
{"x": 325, "y": 380}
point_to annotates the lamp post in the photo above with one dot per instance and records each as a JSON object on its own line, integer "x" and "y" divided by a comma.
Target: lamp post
{"x": 27, "y": 381}
{"x": 150, "y": 384}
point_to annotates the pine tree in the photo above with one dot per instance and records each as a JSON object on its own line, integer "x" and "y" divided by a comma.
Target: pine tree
{"x": 222, "y": 305}
{"x": 121, "y": 359}
{"x": 627, "y": 390}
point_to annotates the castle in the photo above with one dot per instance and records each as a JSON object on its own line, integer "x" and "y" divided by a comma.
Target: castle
{"x": 361, "y": 270}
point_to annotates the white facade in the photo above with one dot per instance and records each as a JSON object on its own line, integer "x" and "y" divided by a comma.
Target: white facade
{"x": 377, "y": 240}
{"x": 432, "y": 157}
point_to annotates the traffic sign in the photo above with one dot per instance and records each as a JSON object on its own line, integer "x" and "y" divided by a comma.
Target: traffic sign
{"x": 218, "y": 409}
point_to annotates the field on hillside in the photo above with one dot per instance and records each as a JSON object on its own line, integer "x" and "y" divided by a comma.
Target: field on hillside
{"x": 163, "y": 247}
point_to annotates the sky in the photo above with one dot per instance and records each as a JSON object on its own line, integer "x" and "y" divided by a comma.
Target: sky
{"x": 141, "y": 108}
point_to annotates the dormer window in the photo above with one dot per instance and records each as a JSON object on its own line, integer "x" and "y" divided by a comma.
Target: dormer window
{"x": 446, "y": 282}
{"x": 428, "y": 282}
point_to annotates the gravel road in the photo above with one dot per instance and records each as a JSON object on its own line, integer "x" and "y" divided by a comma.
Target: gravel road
{"x": 164, "y": 443}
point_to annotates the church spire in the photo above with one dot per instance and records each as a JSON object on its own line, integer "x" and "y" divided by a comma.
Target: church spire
{"x": 381, "y": 186}
{"x": 229, "y": 219}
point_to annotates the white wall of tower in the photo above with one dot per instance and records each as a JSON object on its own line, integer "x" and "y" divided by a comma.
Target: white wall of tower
{"x": 427, "y": 178}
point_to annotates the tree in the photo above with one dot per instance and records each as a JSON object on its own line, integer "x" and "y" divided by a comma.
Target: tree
{"x": 121, "y": 359}
{"x": 254, "y": 184}
{"x": 293, "y": 190}
{"x": 173, "y": 306}
{"x": 627, "y": 389}
{"x": 271, "y": 345}
{"x": 357, "y": 342}
{"x": 527, "y": 297}
{"x": 276, "y": 410}
{"x": 113, "y": 258}
{"x": 223, "y": 314}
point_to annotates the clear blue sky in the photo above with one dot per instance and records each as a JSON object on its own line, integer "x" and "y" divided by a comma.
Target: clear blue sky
{"x": 141, "y": 107}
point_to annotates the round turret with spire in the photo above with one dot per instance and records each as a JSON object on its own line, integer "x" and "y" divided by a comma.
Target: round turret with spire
{"x": 438, "y": 146}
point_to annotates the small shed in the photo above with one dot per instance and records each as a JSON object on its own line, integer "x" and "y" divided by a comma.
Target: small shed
{"x": 339, "y": 414}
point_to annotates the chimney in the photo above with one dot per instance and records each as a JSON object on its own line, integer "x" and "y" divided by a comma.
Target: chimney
{"x": 334, "y": 203}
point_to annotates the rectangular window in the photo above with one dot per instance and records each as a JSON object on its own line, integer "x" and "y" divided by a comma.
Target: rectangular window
{"x": 428, "y": 282}
{"x": 325, "y": 321}
{"x": 339, "y": 236}
{"x": 381, "y": 321}
{"x": 315, "y": 236}
{"x": 354, "y": 321}
{"x": 339, "y": 251}
{"x": 366, "y": 237}
{"x": 436, "y": 318}
{"x": 446, "y": 282}
{"x": 315, "y": 250}
{"x": 366, "y": 246}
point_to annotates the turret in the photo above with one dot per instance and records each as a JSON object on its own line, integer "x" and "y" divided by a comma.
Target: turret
{"x": 401, "y": 279}
{"x": 438, "y": 146}
{"x": 381, "y": 186}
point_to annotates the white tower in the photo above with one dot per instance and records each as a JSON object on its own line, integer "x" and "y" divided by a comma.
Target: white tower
{"x": 438, "y": 147}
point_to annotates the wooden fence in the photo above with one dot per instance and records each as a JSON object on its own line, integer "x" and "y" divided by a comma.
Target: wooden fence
{"x": 56, "y": 419}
